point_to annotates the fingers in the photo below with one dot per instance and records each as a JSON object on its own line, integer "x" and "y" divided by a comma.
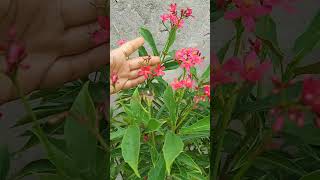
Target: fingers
{"x": 78, "y": 39}
{"x": 134, "y": 82}
{"x": 70, "y": 68}
{"x": 137, "y": 63}
{"x": 131, "y": 46}
{"x": 78, "y": 12}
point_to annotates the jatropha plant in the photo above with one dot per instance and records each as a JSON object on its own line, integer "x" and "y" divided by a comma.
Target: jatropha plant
{"x": 260, "y": 132}
{"x": 68, "y": 122}
{"x": 160, "y": 130}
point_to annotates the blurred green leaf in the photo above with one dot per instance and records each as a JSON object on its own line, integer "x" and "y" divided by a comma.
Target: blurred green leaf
{"x": 308, "y": 39}
{"x": 142, "y": 51}
{"x": 170, "y": 65}
{"x": 159, "y": 171}
{"x": 309, "y": 69}
{"x": 173, "y": 146}
{"x": 79, "y": 132}
{"x": 130, "y": 147}
{"x": 187, "y": 160}
{"x": 171, "y": 104}
{"x": 201, "y": 125}
{"x": 170, "y": 40}
{"x": 4, "y": 162}
{"x": 36, "y": 167}
{"x": 315, "y": 175}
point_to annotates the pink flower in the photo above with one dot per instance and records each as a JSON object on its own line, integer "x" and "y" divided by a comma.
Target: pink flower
{"x": 188, "y": 12}
{"x": 101, "y": 35}
{"x": 188, "y": 83}
{"x": 296, "y": 116}
{"x": 145, "y": 71}
{"x": 206, "y": 89}
{"x": 159, "y": 70}
{"x": 197, "y": 99}
{"x": 173, "y": 8}
{"x": 114, "y": 78}
{"x": 164, "y": 17}
{"x": 15, "y": 52}
{"x": 177, "y": 84}
{"x": 251, "y": 71}
{"x": 256, "y": 45}
{"x": 188, "y": 57}
{"x": 248, "y": 11}
{"x": 311, "y": 91}
{"x": 222, "y": 73}
{"x": 278, "y": 124}
{"x": 121, "y": 42}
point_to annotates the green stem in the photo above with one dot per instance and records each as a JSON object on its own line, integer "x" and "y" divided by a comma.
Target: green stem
{"x": 226, "y": 116}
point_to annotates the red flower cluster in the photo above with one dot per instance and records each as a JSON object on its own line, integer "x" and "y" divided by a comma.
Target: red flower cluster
{"x": 175, "y": 20}
{"x": 202, "y": 97}
{"x": 250, "y": 10}
{"x": 101, "y": 35}
{"x": 249, "y": 69}
{"x": 185, "y": 83}
{"x": 147, "y": 72}
{"x": 188, "y": 57}
{"x": 311, "y": 96}
{"x": 15, "y": 52}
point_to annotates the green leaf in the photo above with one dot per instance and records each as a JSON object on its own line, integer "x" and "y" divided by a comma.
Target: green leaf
{"x": 170, "y": 103}
{"x": 201, "y": 125}
{"x": 170, "y": 40}
{"x": 266, "y": 30}
{"x": 159, "y": 171}
{"x": 64, "y": 164}
{"x": 54, "y": 177}
{"x": 173, "y": 146}
{"x": 309, "y": 39}
{"x": 4, "y": 161}
{"x": 137, "y": 110}
{"x": 153, "y": 125}
{"x": 79, "y": 131}
{"x": 281, "y": 162}
{"x": 142, "y": 51}
{"x": 36, "y": 167}
{"x": 170, "y": 65}
{"x": 223, "y": 51}
{"x": 149, "y": 38}
{"x": 130, "y": 147}
{"x": 118, "y": 134}
{"x": 206, "y": 74}
{"x": 309, "y": 69}
{"x": 315, "y": 175}
{"x": 187, "y": 160}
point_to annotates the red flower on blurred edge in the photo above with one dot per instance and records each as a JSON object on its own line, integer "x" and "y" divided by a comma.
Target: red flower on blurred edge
{"x": 15, "y": 52}
{"x": 311, "y": 96}
{"x": 114, "y": 78}
{"x": 101, "y": 35}
{"x": 158, "y": 71}
{"x": 145, "y": 71}
{"x": 222, "y": 73}
{"x": 251, "y": 71}
{"x": 206, "y": 89}
{"x": 121, "y": 42}
{"x": 248, "y": 11}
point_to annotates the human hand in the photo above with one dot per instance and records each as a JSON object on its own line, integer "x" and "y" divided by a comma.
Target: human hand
{"x": 127, "y": 70}
{"x": 58, "y": 43}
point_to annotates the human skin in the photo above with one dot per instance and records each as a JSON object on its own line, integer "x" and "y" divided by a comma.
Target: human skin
{"x": 128, "y": 70}
{"x": 58, "y": 42}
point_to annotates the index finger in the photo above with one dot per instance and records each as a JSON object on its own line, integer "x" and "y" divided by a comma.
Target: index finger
{"x": 131, "y": 46}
